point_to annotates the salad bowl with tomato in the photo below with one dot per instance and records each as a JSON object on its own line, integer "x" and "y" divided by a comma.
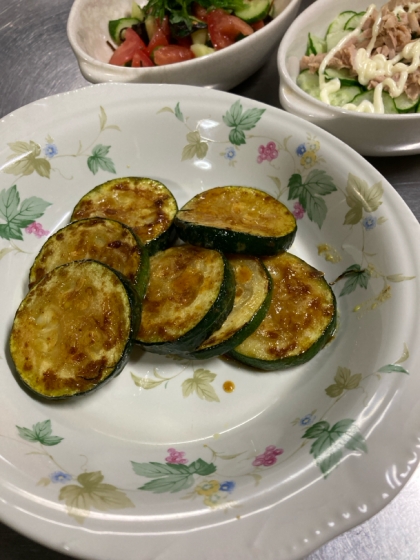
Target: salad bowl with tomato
{"x": 215, "y": 44}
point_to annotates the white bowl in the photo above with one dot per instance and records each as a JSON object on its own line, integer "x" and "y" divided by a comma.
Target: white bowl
{"x": 87, "y": 31}
{"x": 370, "y": 135}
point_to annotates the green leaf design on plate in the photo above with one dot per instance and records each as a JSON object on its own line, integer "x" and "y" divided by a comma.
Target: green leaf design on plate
{"x": 356, "y": 276}
{"x": 25, "y": 160}
{"x": 329, "y": 443}
{"x": 200, "y": 384}
{"x": 18, "y": 218}
{"x": 195, "y": 147}
{"x": 92, "y": 493}
{"x": 178, "y": 113}
{"x": 41, "y": 432}
{"x": 99, "y": 160}
{"x": 171, "y": 477}
{"x": 344, "y": 381}
{"x": 310, "y": 193}
{"x": 241, "y": 121}
{"x": 359, "y": 197}
{"x": 393, "y": 368}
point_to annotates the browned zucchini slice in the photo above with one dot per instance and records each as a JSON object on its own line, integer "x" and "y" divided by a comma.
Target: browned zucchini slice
{"x": 104, "y": 240}
{"x": 190, "y": 293}
{"x": 73, "y": 331}
{"x": 237, "y": 220}
{"x": 252, "y": 300}
{"x": 300, "y": 321}
{"x": 146, "y": 205}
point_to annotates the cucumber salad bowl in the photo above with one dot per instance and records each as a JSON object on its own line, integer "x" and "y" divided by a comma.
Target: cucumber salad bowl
{"x": 93, "y": 41}
{"x": 390, "y": 129}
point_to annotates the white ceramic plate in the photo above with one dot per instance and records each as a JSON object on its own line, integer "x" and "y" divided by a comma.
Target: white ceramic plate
{"x": 162, "y": 462}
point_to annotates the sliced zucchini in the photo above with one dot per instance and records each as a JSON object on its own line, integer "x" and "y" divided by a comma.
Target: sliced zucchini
{"x": 190, "y": 293}
{"x": 300, "y": 321}
{"x": 253, "y": 10}
{"x": 237, "y": 220}
{"x": 117, "y": 27}
{"x": 145, "y": 205}
{"x": 252, "y": 300}
{"x": 73, "y": 331}
{"x": 101, "y": 239}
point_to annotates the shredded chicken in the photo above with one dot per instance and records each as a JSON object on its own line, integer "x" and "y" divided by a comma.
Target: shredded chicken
{"x": 395, "y": 32}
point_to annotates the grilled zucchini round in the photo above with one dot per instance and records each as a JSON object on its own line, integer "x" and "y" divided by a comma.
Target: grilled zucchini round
{"x": 300, "y": 321}
{"x": 190, "y": 293}
{"x": 101, "y": 239}
{"x": 252, "y": 300}
{"x": 146, "y": 205}
{"x": 237, "y": 220}
{"x": 73, "y": 331}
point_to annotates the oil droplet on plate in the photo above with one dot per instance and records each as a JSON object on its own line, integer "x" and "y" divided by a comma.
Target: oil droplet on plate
{"x": 228, "y": 386}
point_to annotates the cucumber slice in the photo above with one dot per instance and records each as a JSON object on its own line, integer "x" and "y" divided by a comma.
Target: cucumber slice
{"x": 316, "y": 45}
{"x": 404, "y": 104}
{"x": 332, "y": 39}
{"x": 300, "y": 321}
{"x": 339, "y": 23}
{"x": 344, "y": 95}
{"x": 252, "y": 300}
{"x": 253, "y": 10}
{"x": 201, "y": 50}
{"x": 237, "y": 220}
{"x": 190, "y": 294}
{"x": 200, "y": 37}
{"x": 354, "y": 21}
{"x": 73, "y": 331}
{"x": 309, "y": 82}
{"x": 117, "y": 28}
{"x": 344, "y": 75}
{"x": 137, "y": 12}
{"x": 389, "y": 105}
{"x": 145, "y": 205}
{"x": 101, "y": 239}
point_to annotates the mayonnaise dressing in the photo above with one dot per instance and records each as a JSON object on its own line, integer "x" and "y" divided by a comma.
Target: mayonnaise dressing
{"x": 370, "y": 67}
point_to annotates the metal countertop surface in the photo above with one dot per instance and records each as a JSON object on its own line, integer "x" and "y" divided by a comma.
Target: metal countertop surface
{"x": 36, "y": 61}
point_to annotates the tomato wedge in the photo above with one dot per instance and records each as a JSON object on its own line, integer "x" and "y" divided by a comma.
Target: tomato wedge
{"x": 124, "y": 53}
{"x": 224, "y": 28}
{"x": 141, "y": 59}
{"x": 159, "y": 39}
{"x": 199, "y": 12}
{"x": 170, "y": 54}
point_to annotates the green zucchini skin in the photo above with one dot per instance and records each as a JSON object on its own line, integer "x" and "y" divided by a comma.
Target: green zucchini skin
{"x": 101, "y": 239}
{"x": 194, "y": 221}
{"x": 209, "y": 322}
{"x": 144, "y": 204}
{"x": 311, "y": 282}
{"x": 235, "y": 337}
{"x": 71, "y": 318}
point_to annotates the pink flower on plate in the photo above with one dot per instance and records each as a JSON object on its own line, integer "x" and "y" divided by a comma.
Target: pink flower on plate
{"x": 268, "y": 458}
{"x": 298, "y": 210}
{"x": 37, "y": 229}
{"x": 268, "y": 152}
{"x": 176, "y": 457}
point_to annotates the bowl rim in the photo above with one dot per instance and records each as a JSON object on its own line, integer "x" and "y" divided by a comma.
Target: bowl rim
{"x": 121, "y": 70}
{"x": 314, "y": 10}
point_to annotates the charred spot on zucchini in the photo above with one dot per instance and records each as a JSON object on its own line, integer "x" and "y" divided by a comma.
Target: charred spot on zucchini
{"x": 237, "y": 219}
{"x": 145, "y": 205}
{"x": 73, "y": 331}
{"x": 190, "y": 293}
{"x": 300, "y": 321}
{"x": 252, "y": 300}
{"x": 101, "y": 239}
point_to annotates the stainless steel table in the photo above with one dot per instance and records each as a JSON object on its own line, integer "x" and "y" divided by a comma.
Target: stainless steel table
{"x": 36, "y": 61}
